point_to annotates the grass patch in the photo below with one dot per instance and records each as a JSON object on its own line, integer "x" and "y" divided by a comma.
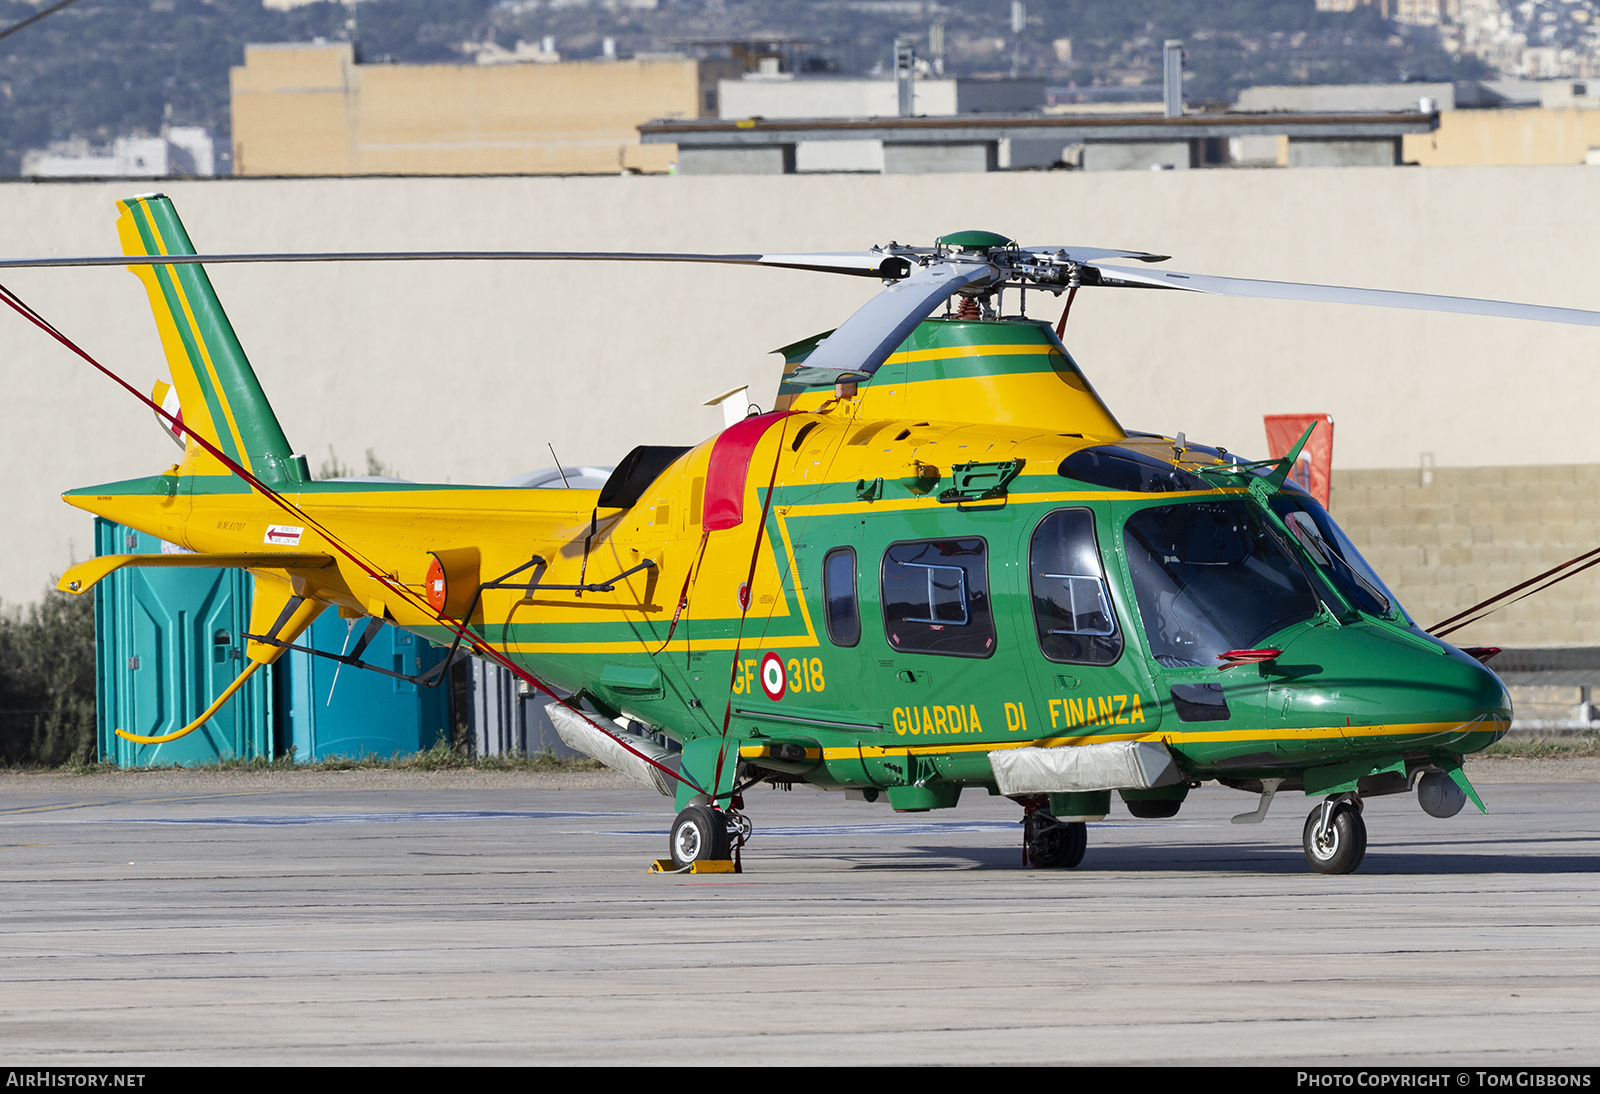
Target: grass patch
{"x": 1577, "y": 746}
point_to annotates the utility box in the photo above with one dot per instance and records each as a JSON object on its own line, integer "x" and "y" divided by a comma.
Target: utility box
{"x": 336, "y": 711}
{"x": 168, "y": 642}
{"x": 506, "y": 717}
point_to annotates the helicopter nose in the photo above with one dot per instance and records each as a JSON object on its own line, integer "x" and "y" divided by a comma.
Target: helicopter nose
{"x": 1412, "y": 691}
{"x": 1458, "y": 690}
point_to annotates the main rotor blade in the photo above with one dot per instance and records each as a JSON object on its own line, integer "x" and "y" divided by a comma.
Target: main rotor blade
{"x": 867, "y": 338}
{"x": 1123, "y": 276}
{"x": 858, "y": 263}
{"x": 1092, "y": 254}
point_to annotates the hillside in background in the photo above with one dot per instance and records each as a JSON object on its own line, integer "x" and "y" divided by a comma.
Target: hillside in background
{"x": 106, "y": 68}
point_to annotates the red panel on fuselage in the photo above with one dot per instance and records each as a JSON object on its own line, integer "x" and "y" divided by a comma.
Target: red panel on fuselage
{"x": 729, "y": 467}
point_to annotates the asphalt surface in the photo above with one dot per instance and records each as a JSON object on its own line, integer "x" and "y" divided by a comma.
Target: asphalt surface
{"x": 394, "y": 919}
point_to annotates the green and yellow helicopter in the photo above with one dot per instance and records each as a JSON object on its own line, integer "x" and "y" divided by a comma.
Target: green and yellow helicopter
{"x": 940, "y": 564}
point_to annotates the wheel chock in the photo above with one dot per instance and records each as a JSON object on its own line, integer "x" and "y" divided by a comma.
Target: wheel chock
{"x": 706, "y": 866}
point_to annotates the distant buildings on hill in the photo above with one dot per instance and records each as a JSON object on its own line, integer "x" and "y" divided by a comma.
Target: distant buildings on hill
{"x": 313, "y": 109}
{"x": 1531, "y": 39}
{"x": 178, "y": 151}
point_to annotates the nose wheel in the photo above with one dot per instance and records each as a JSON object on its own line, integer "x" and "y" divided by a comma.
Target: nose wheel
{"x": 699, "y": 834}
{"x": 1335, "y": 836}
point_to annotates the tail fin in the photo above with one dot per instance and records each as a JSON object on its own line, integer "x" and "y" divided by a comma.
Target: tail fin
{"x": 217, "y": 389}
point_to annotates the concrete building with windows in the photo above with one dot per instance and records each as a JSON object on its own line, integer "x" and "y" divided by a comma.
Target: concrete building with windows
{"x": 774, "y": 95}
{"x": 180, "y": 150}
{"x": 966, "y": 143}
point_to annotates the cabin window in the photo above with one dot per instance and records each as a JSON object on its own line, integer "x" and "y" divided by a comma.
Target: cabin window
{"x": 839, "y": 593}
{"x": 936, "y": 597}
{"x": 1071, "y": 604}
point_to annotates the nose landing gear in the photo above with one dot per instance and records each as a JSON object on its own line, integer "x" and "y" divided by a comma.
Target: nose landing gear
{"x": 698, "y": 834}
{"x": 1335, "y": 836}
{"x": 704, "y": 837}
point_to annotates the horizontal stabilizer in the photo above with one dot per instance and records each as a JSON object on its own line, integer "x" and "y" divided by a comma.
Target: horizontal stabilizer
{"x": 86, "y": 575}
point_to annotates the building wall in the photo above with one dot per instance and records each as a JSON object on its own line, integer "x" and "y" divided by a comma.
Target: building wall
{"x": 1535, "y": 135}
{"x": 1449, "y": 539}
{"x": 465, "y": 372}
{"x": 310, "y": 110}
{"x": 290, "y": 111}
{"x": 1339, "y": 97}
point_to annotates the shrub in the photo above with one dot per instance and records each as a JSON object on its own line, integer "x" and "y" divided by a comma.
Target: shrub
{"x": 47, "y": 681}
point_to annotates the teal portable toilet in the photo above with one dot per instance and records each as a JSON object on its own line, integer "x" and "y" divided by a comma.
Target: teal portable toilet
{"x": 336, "y": 711}
{"x": 167, "y": 643}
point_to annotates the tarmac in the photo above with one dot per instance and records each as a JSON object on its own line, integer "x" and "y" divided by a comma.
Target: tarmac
{"x": 174, "y": 918}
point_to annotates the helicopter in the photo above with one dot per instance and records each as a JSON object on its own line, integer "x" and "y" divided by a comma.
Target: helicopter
{"x": 940, "y": 564}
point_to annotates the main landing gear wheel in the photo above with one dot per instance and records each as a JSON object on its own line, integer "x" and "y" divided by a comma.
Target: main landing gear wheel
{"x": 1052, "y": 843}
{"x": 699, "y": 834}
{"x": 1339, "y": 847}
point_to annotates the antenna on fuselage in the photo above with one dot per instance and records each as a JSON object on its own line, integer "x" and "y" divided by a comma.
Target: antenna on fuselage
{"x": 559, "y": 469}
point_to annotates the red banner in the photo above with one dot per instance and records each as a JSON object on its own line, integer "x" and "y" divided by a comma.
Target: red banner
{"x": 1314, "y": 469}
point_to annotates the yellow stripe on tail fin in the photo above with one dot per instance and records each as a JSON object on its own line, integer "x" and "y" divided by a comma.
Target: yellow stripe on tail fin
{"x": 221, "y": 398}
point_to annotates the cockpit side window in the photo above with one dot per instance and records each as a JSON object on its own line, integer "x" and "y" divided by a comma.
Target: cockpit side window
{"x": 936, "y": 597}
{"x": 1071, "y": 604}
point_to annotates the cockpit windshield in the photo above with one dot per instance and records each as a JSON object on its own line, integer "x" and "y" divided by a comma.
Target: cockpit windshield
{"x": 1332, "y": 550}
{"x": 1211, "y": 577}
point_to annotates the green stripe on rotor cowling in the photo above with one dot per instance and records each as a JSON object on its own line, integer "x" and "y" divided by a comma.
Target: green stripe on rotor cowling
{"x": 933, "y": 334}
{"x": 265, "y": 445}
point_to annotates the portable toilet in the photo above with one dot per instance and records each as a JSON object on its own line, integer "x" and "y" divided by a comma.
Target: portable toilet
{"x": 167, "y": 643}
{"x": 336, "y": 710}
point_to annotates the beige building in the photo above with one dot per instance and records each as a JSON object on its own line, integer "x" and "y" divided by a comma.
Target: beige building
{"x": 312, "y": 110}
{"x": 1499, "y": 123}
{"x": 1493, "y": 138}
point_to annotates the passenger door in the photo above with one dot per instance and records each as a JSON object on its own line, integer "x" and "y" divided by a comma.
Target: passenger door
{"x": 1091, "y": 677}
